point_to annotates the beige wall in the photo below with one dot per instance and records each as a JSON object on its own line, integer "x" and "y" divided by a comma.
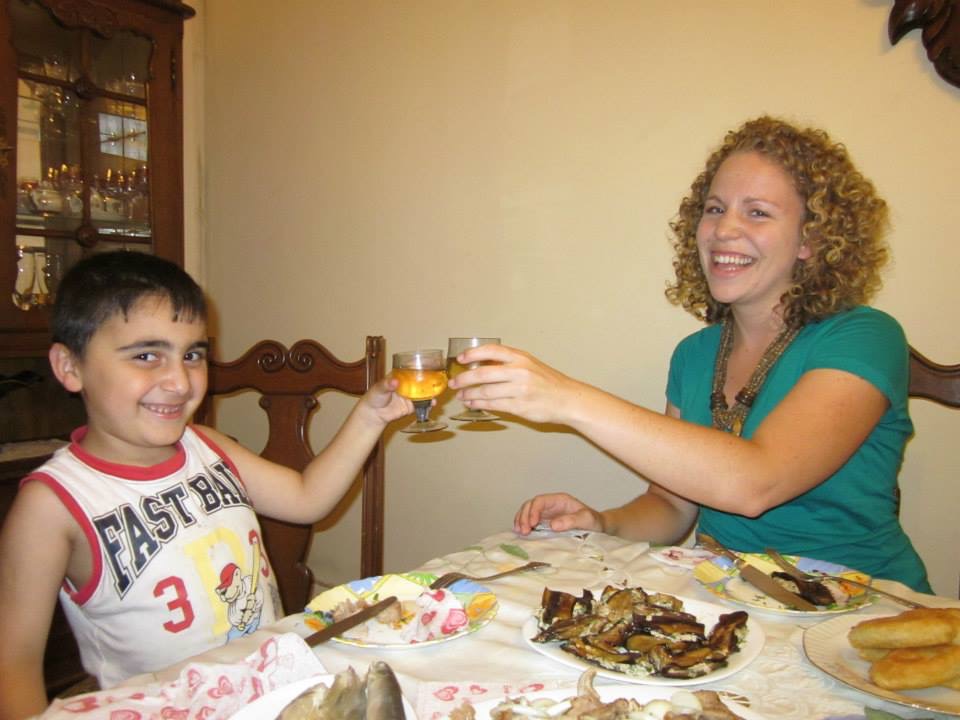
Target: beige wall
{"x": 420, "y": 169}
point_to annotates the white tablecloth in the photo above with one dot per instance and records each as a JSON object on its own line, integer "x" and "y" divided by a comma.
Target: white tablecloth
{"x": 781, "y": 683}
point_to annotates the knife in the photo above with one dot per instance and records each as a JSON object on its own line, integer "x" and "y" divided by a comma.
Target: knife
{"x": 785, "y": 565}
{"x": 756, "y": 577}
{"x": 799, "y": 574}
{"x": 341, "y": 626}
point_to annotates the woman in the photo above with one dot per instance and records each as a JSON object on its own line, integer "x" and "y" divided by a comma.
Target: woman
{"x": 787, "y": 415}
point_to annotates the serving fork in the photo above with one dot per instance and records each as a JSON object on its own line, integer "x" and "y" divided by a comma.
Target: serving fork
{"x": 799, "y": 574}
{"x": 448, "y": 579}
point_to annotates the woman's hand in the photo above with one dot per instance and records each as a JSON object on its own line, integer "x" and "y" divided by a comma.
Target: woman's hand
{"x": 562, "y": 511}
{"x": 515, "y": 382}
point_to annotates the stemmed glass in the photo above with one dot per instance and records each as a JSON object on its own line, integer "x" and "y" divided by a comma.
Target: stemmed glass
{"x": 455, "y": 346}
{"x": 422, "y": 377}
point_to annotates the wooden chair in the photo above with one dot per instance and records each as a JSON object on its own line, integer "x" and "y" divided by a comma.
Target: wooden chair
{"x": 936, "y": 382}
{"x": 930, "y": 380}
{"x": 287, "y": 381}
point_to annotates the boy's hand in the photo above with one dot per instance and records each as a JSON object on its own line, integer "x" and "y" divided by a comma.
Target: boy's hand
{"x": 385, "y": 403}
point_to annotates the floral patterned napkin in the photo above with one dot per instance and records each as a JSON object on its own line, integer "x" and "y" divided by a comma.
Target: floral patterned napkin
{"x": 436, "y": 700}
{"x": 202, "y": 690}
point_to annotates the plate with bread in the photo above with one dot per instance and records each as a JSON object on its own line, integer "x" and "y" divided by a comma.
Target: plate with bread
{"x": 910, "y": 658}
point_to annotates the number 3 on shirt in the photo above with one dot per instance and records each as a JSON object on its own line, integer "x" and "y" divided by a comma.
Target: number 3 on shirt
{"x": 179, "y": 604}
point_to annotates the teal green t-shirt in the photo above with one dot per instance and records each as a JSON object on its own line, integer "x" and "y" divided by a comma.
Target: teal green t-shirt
{"x": 851, "y": 517}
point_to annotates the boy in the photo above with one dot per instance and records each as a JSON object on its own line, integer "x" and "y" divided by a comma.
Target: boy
{"x": 145, "y": 525}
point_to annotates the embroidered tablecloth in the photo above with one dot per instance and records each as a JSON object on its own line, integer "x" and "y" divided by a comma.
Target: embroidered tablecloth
{"x": 781, "y": 684}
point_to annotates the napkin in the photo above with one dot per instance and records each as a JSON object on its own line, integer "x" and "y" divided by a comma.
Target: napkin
{"x": 202, "y": 690}
{"x": 436, "y": 700}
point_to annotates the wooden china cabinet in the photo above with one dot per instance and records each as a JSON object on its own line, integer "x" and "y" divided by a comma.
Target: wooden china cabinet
{"x": 91, "y": 133}
{"x": 91, "y": 159}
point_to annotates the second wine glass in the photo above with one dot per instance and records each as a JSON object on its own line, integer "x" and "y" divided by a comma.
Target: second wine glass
{"x": 455, "y": 346}
{"x": 422, "y": 377}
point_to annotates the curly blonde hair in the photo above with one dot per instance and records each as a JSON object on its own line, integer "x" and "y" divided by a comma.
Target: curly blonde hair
{"x": 844, "y": 225}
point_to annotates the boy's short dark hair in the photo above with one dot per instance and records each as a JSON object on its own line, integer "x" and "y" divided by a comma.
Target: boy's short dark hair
{"x": 104, "y": 284}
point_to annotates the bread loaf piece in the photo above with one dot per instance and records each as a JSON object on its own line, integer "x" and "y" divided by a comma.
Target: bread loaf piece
{"x": 922, "y": 627}
{"x": 917, "y": 667}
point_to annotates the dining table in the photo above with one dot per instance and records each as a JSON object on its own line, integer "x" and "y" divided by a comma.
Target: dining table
{"x": 779, "y": 683}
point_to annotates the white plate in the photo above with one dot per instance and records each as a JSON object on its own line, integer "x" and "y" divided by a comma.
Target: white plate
{"x": 479, "y": 603}
{"x": 270, "y": 705}
{"x": 609, "y": 693}
{"x": 684, "y": 557}
{"x": 706, "y": 613}
{"x": 827, "y": 647}
{"x": 719, "y": 576}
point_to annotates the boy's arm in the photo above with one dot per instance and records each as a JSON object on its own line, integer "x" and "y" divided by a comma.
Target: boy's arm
{"x": 285, "y": 494}
{"x": 35, "y": 547}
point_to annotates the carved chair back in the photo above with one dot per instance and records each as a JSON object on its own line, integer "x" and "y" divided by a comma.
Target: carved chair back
{"x": 287, "y": 382}
{"x": 930, "y": 380}
{"x": 936, "y": 382}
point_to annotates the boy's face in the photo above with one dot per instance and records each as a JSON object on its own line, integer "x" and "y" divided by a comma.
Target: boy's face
{"x": 141, "y": 378}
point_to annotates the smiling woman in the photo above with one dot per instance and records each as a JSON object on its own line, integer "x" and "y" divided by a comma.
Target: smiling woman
{"x": 778, "y": 246}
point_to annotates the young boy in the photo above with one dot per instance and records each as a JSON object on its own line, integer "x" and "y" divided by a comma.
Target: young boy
{"x": 145, "y": 525}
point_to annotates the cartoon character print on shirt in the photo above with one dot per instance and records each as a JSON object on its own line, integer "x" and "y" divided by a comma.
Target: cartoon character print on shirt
{"x": 243, "y": 595}
{"x": 133, "y": 535}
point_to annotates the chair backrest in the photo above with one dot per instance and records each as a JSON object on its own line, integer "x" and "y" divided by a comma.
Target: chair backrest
{"x": 930, "y": 380}
{"x": 936, "y": 382}
{"x": 287, "y": 381}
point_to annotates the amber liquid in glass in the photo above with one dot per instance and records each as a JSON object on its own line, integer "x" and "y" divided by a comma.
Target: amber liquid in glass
{"x": 420, "y": 384}
{"x": 454, "y": 368}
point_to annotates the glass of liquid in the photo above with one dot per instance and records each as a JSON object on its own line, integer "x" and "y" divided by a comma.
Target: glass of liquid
{"x": 422, "y": 375}
{"x": 455, "y": 346}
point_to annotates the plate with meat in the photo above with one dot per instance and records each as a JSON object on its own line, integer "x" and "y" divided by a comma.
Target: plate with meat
{"x": 831, "y": 596}
{"x": 612, "y": 702}
{"x": 645, "y": 637}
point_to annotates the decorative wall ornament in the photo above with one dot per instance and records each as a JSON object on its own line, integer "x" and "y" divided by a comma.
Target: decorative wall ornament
{"x": 939, "y": 21}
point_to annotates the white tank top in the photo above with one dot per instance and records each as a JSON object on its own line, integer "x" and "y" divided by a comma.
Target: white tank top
{"x": 178, "y": 564}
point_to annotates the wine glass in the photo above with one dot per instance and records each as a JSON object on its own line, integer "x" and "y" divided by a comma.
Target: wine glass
{"x": 455, "y": 346}
{"x": 422, "y": 377}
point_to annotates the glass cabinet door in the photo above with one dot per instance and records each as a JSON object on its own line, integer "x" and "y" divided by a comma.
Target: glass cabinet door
{"x": 96, "y": 87}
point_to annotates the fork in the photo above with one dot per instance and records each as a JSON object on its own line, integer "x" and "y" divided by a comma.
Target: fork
{"x": 448, "y": 579}
{"x": 796, "y": 572}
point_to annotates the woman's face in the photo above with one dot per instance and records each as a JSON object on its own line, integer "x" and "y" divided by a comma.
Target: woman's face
{"x": 749, "y": 234}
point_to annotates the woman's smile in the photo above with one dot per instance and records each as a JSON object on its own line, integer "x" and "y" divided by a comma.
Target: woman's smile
{"x": 749, "y": 233}
{"x": 730, "y": 261}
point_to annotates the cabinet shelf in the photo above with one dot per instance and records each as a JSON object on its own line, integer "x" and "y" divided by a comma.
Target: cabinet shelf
{"x": 65, "y": 226}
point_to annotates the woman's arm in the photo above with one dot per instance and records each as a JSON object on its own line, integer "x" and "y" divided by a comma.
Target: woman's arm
{"x": 656, "y": 516}
{"x": 805, "y": 439}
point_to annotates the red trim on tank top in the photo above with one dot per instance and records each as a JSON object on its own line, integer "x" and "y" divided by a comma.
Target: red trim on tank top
{"x": 219, "y": 451}
{"x": 127, "y": 472}
{"x": 78, "y": 595}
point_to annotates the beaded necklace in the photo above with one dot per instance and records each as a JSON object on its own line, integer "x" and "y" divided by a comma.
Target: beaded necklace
{"x": 731, "y": 419}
